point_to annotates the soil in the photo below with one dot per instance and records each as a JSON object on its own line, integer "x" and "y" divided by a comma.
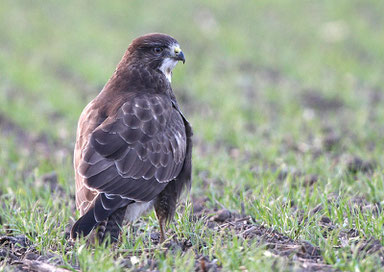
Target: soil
{"x": 20, "y": 254}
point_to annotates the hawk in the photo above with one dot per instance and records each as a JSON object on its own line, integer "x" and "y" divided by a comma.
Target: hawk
{"x": 133, "y": 144}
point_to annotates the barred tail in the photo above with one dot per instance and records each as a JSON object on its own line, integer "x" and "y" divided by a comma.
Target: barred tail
{"x": 104, "y": 209}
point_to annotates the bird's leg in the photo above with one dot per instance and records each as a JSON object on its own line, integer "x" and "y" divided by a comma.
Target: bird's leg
{"x": 165, "y": 206}
{"x": 162, "y": 223}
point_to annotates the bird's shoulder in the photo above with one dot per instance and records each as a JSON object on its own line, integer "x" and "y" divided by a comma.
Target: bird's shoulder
{"x": 143, "y": 111}
{"x": 140, "y": 118}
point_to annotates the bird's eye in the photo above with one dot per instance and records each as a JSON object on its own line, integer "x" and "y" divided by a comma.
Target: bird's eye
{"x": 157, "y": 50}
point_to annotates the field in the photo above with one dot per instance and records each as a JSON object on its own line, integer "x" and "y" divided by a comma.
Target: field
{"x": 286, "y": 101}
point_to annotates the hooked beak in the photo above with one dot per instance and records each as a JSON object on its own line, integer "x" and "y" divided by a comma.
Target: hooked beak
{"x": 179, "y": 55}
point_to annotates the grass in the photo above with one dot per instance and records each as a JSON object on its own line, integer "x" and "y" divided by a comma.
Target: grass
{"x": 277, "y": 92}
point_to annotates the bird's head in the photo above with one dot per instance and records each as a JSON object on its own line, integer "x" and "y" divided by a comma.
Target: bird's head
{"x": 156, "y": 51}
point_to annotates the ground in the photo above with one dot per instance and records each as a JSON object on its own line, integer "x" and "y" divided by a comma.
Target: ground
{"x": 287, "y": 104}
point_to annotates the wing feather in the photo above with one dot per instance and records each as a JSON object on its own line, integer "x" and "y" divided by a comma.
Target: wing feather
{"x": 135, "y": 154}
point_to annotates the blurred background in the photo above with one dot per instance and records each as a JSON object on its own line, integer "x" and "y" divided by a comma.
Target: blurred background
{"x": 282, "y": 95}
{"x": 249, "y": 64}
{"x": 257, "y": 74}
{"x": 252, "y": 67}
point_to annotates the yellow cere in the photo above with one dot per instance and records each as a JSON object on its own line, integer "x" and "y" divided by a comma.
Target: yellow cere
{"x": 177, "y": 50}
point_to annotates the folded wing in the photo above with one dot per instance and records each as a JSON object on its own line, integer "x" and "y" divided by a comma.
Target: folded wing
{"x": 135, "y": 153}
{"x": 131, "y": 157}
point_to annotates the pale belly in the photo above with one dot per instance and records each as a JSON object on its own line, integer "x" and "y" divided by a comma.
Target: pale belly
{"x": 136, "y": 209}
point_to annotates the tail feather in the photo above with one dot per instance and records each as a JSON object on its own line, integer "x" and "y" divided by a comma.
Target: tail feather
{"x": 102, "y": 209}
{"x": 112, "y": 226}
{"x": 84, "y": 225}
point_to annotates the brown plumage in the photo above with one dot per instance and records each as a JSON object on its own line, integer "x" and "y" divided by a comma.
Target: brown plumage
{"x": 133, "y": 147}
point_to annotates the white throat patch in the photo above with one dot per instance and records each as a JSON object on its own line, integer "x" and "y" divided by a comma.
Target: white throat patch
{"x": 167, "y": 67}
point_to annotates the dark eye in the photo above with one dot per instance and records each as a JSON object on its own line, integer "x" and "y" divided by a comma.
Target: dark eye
{"x": 158, "y": 50}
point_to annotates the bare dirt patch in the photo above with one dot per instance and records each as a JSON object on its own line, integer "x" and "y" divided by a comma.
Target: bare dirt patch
{"x": 315, "y": 100}
{"x": 18, "y": 252}
{"x": 297, "y": 252}
{"x": 356, "y": 164}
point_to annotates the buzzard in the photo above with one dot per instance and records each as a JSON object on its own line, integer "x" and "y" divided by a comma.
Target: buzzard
{"x": 133, "y": 145}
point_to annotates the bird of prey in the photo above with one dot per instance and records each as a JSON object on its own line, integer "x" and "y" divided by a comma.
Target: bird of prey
{"x": 133, "y": 144}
